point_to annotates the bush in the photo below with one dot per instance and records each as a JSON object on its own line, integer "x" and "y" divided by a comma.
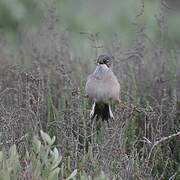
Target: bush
{"x": 41, "y": 162}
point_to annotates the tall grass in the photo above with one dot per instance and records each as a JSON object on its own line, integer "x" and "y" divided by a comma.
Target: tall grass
{"x": 49, "y": 95}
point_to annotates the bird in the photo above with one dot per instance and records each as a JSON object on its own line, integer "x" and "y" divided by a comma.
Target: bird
{"x": 101, "y": 87}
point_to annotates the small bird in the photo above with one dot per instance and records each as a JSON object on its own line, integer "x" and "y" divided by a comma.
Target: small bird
{"x": 102, "y": 86}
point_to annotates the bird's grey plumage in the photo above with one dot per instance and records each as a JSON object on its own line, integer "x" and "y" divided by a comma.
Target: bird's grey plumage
{"x": 102, "y": 86}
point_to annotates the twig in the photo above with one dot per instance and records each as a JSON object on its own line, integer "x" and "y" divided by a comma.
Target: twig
{"x": 162, "y": 140}
{"x": 132, "y": 107}
{"x": 15, "y": 141}
{"x": 166, "y": 138}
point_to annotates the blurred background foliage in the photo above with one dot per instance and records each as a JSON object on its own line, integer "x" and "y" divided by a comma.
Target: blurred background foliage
{"x": 14, "y": 13}
{"x": 112, "y": 19}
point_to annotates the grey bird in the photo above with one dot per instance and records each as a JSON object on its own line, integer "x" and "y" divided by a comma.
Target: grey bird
{"x": 102, "y": 86}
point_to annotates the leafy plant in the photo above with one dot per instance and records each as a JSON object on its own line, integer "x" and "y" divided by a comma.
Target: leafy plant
{"x": 42, "y": 162}
{"x": 9, "y": 164}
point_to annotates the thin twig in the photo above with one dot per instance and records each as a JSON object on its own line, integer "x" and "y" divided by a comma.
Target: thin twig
{"x": 132, "y": 107}
{"x": 15, "y": 141}
{"x": 162, "y": 140}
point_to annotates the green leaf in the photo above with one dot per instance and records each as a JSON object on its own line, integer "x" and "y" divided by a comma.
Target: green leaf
{"x": 46, "y": 138}
{"x": 57, "y": 158}
{"x": 13, "y": 151}
{"x": 53, "y": 140}
{"x": 13, "y": 162}
{"x": 53, "y": 175}
{"x": 1, "y": 155}
{"x": 37, "y": 145}
{"x": 73, "y": 174}
{"x": 5, "y": 175}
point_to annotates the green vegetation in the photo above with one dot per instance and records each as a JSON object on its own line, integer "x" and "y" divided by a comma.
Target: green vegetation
{"x": 47, "y": 49}
{"x": 42, "y": 161}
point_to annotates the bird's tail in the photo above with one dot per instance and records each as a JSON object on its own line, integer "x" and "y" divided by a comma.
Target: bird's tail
{"x": 101, "y": 110}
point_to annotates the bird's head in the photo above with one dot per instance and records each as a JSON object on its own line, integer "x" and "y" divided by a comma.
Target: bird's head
{"x": 105, "y": 59}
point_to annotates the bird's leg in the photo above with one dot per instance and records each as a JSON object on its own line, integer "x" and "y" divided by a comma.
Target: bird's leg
{"x": 110, "y": 113}
{"x": 92, "y": 110}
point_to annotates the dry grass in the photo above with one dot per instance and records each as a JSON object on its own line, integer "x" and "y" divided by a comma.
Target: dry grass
{"x": 49, "y": 95}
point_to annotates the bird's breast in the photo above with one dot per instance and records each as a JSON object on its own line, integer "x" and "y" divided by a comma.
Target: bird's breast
{"x": 102, "y": 88}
